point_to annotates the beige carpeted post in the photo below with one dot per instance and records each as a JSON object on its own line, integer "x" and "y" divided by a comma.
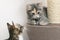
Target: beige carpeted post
{"x": 54, "y": 11}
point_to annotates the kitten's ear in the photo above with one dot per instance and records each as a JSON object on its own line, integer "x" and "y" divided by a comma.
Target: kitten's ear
{"x": 40, "y": 4}
{"x": 9, "y": 26}
{"x": 13, "y": 24}
{"x": 29, "y": 7}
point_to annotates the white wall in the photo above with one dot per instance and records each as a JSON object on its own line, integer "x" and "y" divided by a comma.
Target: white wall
{"x": 11, "y": 10}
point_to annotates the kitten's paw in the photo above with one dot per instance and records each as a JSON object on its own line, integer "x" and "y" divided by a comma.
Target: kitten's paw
{"x": 44, "y": 23}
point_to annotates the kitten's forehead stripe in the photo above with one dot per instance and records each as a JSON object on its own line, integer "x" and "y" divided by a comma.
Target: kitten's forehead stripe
{"x": 34, "y": 11}
{"x": 35, "y": 7}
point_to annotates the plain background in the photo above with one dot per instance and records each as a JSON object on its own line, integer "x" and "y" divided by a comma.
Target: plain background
{"x": 13, "y": 10}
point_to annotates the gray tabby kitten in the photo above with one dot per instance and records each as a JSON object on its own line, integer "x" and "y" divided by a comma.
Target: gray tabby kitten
{"x": 37, "y": 14}
{"x": 14, "y": 31}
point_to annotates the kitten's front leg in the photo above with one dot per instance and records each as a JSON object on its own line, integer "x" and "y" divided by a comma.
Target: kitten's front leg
{"x": 44, "y": 22}
{"x": 33, "y": 22}
{"x": 38, "y": 22}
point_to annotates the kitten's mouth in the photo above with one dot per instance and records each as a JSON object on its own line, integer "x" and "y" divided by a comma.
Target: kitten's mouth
{"x": 36, "y": 19}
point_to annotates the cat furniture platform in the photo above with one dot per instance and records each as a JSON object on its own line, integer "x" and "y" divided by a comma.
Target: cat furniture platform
{"x": 48, "y": 32}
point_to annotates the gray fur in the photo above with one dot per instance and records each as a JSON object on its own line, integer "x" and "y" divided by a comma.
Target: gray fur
{"x": 37, "y": 14}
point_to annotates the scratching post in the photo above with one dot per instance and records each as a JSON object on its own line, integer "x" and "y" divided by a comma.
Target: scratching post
{"x": 54, "y": 11}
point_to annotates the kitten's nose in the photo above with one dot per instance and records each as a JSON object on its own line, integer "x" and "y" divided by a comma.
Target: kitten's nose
{"x": 37, "y": 16}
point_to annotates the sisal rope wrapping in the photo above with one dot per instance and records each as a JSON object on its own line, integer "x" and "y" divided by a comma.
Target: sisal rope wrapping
{"x": 54, "y": 11}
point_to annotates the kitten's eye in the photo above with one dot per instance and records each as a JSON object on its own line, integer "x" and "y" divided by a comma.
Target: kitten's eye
{"x": 38, "y": 12}
{"x": 33, "y": 13}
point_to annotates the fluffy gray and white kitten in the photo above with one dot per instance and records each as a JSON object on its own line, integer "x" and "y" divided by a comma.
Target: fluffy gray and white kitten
{"x": 37, "y": 14}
